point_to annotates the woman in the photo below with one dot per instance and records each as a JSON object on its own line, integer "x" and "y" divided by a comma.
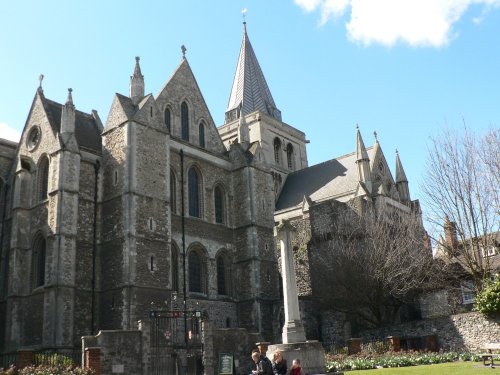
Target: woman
{"x": 279, "y": 364}
{"x": 296, "y": 369}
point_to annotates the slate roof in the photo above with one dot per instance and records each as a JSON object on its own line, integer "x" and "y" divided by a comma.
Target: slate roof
{"x": 250, "y": 90}
{"x": 87, "y": 132}
{"x": 321, "y": 181}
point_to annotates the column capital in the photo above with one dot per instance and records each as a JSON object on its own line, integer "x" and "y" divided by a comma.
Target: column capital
{"x": 284, "y": 227}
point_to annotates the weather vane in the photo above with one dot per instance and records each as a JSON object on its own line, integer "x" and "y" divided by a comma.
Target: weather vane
{"x": 183, "y": 49}
{"x": 40, "y": 78}
{"x": 244, "y": 13}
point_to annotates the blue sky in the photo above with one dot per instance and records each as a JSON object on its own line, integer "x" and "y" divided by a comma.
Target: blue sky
{"x": 405, "y": 68}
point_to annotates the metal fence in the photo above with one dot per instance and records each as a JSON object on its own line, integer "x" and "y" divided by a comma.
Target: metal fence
{"x": 58, "y": 356}
{"x": 8, "y": 359}
{"x": 48, "y": 356}
{"x": 378, "y": 346}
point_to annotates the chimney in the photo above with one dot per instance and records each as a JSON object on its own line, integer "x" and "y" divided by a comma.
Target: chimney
{"x": 450, "y": 235}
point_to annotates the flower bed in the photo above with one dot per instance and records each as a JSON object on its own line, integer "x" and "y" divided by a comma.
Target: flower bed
{"x": 341, "y": 362}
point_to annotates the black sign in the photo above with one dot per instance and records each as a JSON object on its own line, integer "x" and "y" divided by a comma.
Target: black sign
{"x": 225, "y": 364}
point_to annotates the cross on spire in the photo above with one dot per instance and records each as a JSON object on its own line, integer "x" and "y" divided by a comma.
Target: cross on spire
{"x": 40, "y": 78}
{"x": 183, "y": 49}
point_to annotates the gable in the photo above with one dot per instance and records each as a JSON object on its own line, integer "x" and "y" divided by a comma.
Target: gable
{"x": 381, "y": 176}
{"x": 182, "y": 87}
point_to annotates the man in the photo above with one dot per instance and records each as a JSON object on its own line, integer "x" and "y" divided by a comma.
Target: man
{"x": 260, "y": 366}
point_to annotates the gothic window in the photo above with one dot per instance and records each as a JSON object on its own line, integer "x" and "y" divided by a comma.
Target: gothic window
{"x": 277, "y": 150}
{"x": 173, "y": 195}
{"x": 223, "y": 276}
{"x": 219, "y": 205}
{"x": 168, "y": 119}
{"x": 184, "y": 121}
{"x": 42, "y": 178}
{"x": 175, "y": 268}
{"x": 289, "y": 155}
{"x": 194, "y": 193}
{"x": 38, "y": 262}
{"x": 202, "y": 134}
{"x": 197, "y": 273}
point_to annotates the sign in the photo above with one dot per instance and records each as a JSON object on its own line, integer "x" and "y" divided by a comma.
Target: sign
{"x": 117, "y": 369}
{"x": 225, "y": 364}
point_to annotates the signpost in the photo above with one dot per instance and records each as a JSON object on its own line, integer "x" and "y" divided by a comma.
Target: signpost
{"x": 225, "y": 364}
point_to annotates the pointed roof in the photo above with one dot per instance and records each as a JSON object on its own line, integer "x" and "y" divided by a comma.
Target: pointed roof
{"x": 400, "y": 172}
{"x": 250, "y": 92}
{"x": 361, "y": 153}
{"x": 137, "y": 82}
{"x": 87, "y": 132}
{"x": 330, "y": 179}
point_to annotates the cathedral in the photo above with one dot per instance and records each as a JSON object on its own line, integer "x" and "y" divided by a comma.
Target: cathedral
{"x": 101, "y": 221}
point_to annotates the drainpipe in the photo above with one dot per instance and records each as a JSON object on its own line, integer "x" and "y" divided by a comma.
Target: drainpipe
{"x": 97, "y": 165}
{"x": 183, "y": 249}
{"x": 5, "y": 263}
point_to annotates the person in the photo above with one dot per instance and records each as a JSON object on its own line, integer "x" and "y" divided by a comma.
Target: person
{"x": 296, "y": 369}
{"x": 279, "y": 364}
{"x": 260, "y": 366}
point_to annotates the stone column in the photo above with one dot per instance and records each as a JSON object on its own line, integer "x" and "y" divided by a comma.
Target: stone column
{"x": 293, "y": 331}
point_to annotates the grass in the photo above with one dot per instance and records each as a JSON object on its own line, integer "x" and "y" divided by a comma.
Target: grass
{"x": 454, "y": 368}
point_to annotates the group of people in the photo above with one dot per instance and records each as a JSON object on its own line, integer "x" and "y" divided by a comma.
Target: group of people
{"x": 277, "y": 366}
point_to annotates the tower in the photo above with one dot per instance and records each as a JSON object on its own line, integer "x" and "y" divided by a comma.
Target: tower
{"x": 283, "y": 146}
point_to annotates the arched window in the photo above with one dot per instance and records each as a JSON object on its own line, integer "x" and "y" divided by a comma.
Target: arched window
{"x": 173, "y": 192}
{"x": 201, "y": 128}
{"x": 197, "y": 273}
{"x": 38, "y": 262}
{"x": 184, "y": 121}
{"x": 277, "y": 150}
{"x": 168, "y": 119}
{"x": 289, "y": 155}
{"x": 42, "y": 178}
{"x": 223, "y": 278}
{"x": 194, "y": 193}
{"x": 175, "y": 268}
{"x": 219, "y": 205}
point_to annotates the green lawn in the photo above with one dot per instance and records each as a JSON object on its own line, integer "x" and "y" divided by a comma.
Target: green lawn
{"x": 454, "y": 368}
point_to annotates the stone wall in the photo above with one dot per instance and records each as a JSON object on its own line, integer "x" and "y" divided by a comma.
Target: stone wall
{"x": 235, "y": 341}
{"x": 121, "y": 351}
{"x": 455, "y": 332}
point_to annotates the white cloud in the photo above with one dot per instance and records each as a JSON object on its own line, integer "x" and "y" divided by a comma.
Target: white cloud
{"x": 386, "y": 22}
{"x": 7, "y": 132}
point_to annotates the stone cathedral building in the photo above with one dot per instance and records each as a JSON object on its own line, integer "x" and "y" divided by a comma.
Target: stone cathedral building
{"x": 101, "y": 221}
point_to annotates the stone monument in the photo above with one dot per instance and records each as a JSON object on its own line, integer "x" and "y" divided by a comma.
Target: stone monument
{"x": 295, "y": 344}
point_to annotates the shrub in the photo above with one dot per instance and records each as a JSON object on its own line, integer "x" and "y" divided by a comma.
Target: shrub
{"x": 488, "y": 300}
{"x": 341, "y": 362}
{"x": 55, "y": 370}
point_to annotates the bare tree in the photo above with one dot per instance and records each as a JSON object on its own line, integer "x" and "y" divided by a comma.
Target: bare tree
{"x": 369, "y": 265}
{"x": 462, "y": 185}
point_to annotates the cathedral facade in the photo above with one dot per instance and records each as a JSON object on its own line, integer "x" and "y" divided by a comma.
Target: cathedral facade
{"x": 101, "y": 223}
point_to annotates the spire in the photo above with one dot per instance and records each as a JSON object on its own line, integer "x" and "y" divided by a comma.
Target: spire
{"x": 363, "y": 162}
{"x": 400, "y": 172}
{"x": 250, "y": 91}
{"x": 361, "y": 153}
{"x": 68, "y": 115}
{"x": 401, "y": 181}
{"x": 137, "y": 83}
